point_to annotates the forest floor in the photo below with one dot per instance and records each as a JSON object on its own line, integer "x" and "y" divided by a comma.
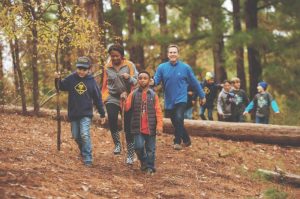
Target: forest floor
{"x": 31, "y": 167}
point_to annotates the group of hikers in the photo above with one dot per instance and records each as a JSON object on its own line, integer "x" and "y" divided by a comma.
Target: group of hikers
{"x": 130, "y": 93}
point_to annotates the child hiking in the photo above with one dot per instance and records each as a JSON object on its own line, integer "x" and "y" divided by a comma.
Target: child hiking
{"x": 224, "y": 102}
{"x": 262, "y": 102}
{"x": 146, "y": 121}
{"x": 240, "y": 100}
{"x": 119, "y": 77}
{"x": 83, "y": 93}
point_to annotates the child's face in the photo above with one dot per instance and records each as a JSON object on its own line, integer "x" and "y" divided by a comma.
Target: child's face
{"x": 82, "y": 72}
{"x": 237, "y": 85}
{"x": 260, "y": 89}
{"x": 116, "y": 57}
{"x": 227, "y": 86}
{"x": 210, "y": 81}
{"x": 143, "y": 80}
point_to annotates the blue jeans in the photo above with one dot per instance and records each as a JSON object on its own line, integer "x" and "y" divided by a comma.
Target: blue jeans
{"x": 262, "y": 120}
{"x": 144, "y": 146}
{"x": 209, "y": 112}
{"x": 177, "y": 117}
{"x": 81, "y": 133}
{"x": 188, "y": 114}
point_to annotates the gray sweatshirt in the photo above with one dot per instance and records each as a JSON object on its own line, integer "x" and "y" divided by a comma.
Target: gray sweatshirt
{"x": 224, "y": 104}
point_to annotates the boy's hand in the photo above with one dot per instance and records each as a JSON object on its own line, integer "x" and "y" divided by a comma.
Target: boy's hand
{"x": 126, "y": 75}
{"x": 123, "y": 95}
{"x": 158, "y": 132}
{"x": 202, "y": 101}
{"x": 245, "y": 113}
{"x": 151, "y": 83}
{"x": 57, "y": 74}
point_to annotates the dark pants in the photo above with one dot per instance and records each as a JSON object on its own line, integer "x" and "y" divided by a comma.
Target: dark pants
{"x": 238, "y": 117}
{"x": 113, "y": 111}
{"x": 177, "y": 117}
{"x": 209, "y": 112}
{"x": 144, "y": 146}
{"x": 262, "y": 120}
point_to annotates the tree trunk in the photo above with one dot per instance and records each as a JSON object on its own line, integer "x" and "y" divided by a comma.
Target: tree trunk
{"x": 217, "y": 21}
{"x": 260, "y": 133}
{"x": 263, "y": 133}
{"x": 99, "y": 4}
{"x": 34, "y": 51}
{"x": 281, "y": 177}
{"x": 117, "y": 27}
{"x": 139, "y": 29}
{"x": 20, "y": 77}
{"x": 1, "y": 77}
{"x": 130, "y": 24}
{"x": 16, "y": 78}
{"x": 163, "y": 28}
{"x": 255, "y": 69}
{"x": 239, "y": 51}
{"x": 193, "y": 30}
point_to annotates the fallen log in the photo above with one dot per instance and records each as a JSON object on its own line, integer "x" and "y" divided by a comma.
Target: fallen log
{"x": 261, "y": 133}
{"x": 282, "y": 177}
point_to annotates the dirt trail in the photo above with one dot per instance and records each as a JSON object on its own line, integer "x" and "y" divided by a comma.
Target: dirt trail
{"x": 31, "y": 167}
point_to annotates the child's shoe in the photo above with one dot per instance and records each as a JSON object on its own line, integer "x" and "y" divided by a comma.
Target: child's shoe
{"x": 117, "y": 149}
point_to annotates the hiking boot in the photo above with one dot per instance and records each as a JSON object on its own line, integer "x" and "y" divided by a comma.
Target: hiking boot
{"x": 130, "y": 153}
{"x": 117, "y": 149}
{"x": 187, "y": 144}
{"x": 177, "y": 147}
{"x": 88, "y": 164}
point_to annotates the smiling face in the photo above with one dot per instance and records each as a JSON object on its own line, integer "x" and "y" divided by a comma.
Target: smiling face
{"x": 116, "y": 57}
{"x": 227, "y": 86}
{"x": 82, "y": 72}
{"x": 143, "y": 80}
{"x": 260, "y": 89}
{"x": 173, "y": 54}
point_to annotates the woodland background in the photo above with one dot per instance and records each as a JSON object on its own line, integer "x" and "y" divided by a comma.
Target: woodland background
{"x": 252, "y": 39}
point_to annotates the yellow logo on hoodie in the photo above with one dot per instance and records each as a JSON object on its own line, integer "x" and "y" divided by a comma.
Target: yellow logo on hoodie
{"x": 80, "y": 88}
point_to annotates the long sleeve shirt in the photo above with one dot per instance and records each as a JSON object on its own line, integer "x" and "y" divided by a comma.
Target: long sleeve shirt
{"x": 175, "y": 79}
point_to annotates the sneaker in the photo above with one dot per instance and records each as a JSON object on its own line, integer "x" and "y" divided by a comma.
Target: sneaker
{"x": 150, "y": 171}
{"x": 187, "y": 144}
{"x": 143, "y": 166}
{"x": 88, "y": 164}
{"x": 117, "y": 149}
{"x": 129, "y": 160}
{"x": 177, "y": 147}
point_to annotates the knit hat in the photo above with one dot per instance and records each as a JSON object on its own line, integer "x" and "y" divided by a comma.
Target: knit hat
{"x": 209, "y": 75}
{"x": 263, "y": 84}
{"x": 83, "y": 62}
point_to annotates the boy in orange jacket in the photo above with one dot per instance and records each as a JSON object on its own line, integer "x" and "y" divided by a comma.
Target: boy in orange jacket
{"x": 146, "y": 121}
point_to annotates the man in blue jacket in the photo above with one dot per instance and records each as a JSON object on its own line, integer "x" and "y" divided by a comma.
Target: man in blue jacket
{"x": 176, "y": 76}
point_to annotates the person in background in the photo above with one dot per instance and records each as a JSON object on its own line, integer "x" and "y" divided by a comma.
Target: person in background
{"x": 262, "y": 101}
{"x": 210, "y": 89}
{"x": 191, "y": 100}
{"x": 83, "y": 93}
{"x": 146, "y": 121}
{"x": 225, "y": 99}
{"x": 176, "y": 76}
{"x": 240, "y": 100}
{"x": 119, "y": 78}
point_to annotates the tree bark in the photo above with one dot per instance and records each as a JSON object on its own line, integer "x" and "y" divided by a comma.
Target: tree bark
{"x": 130, "y": 24}
{"x": 281, "y": 177}
{"x": 117, "y": 28}
{"x": 255, "y": 69}
{"x": 163, "y": 29}
{"x": 260, "y": 133}
{"x": 193, "y": 30}
{"x": 1, "y": 77}
{"x": 16, "y": 78}
{"x": 217, "y": 21}
{"x": 20, "y": 76}
{"x": 239, "y": 51}
{"x": 139, "y": 29}
{"x": 34, "y": 51}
